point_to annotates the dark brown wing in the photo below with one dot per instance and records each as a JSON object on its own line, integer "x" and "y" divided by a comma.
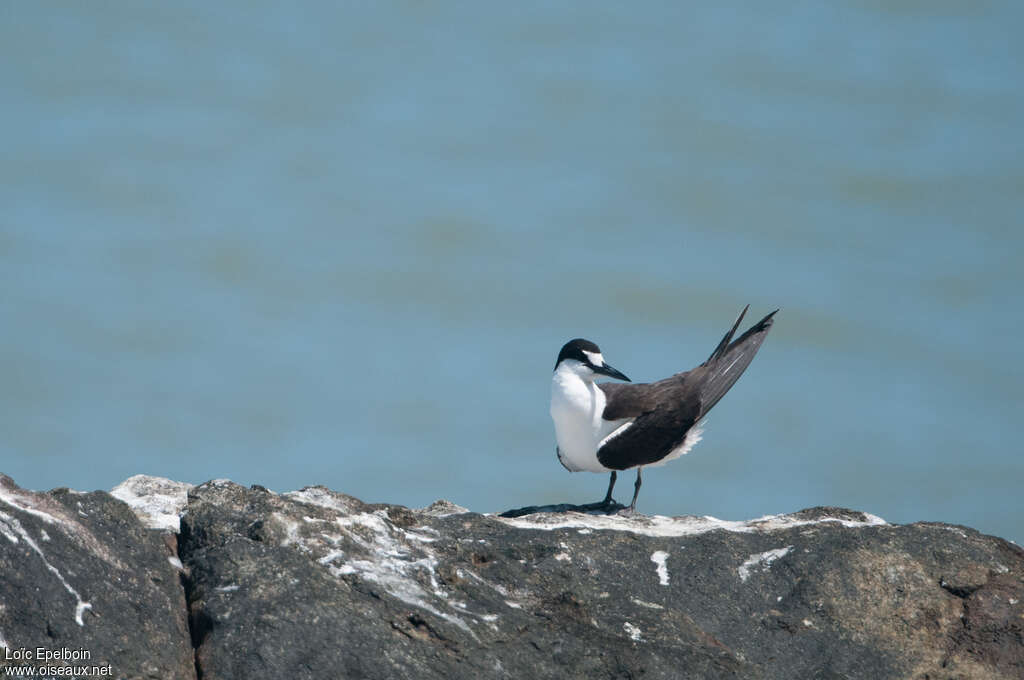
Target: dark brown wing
{"x": 663, "y": 412}
{"x": 627, "y": 400}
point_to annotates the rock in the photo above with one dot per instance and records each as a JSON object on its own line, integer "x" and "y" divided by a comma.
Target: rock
{"x": 314, "y": 584}
{"x": 156, "y": 501}
{"x": 82, "y": 578}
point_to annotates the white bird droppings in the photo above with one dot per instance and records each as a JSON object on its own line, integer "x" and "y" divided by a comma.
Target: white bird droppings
{"x": 156, "y": 501}
{"x": 632, "y": 631}
{"x": 671, "y": 527}
{"x": 27, "y": 504}
{"x": 659, "y": 558}
{"x": 761, "y": 561}
{"x": 331, "y": 556}
{"x": 80, "y": 609}
{"x": 13, "y": 530}
{"x": 369, "y": 545}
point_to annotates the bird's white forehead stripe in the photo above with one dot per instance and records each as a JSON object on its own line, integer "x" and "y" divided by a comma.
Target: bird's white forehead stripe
{"x": 595, "y": 358}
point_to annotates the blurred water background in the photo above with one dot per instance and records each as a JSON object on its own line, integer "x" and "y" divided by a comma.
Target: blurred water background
{"x": 342, "y": 244}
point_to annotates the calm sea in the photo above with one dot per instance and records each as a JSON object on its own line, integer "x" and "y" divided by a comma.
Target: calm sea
{"x": 342, "y": 244}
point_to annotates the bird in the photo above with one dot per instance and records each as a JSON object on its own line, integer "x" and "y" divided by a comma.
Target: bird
{"x": 610, "y": 427}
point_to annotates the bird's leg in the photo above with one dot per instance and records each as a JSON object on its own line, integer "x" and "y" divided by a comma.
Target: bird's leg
{"x": 608, "y": 502}
{"x": 636, "y": 491}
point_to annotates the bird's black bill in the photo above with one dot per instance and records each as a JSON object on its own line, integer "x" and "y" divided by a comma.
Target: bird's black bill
{"x": 611, "y": 372}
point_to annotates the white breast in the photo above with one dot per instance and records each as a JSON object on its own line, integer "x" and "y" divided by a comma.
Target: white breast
{"x": 576, "y": 408}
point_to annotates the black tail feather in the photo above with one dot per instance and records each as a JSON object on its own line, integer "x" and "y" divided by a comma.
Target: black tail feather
{"x": 728, "y": 363}
{"x": 724, "y": 344}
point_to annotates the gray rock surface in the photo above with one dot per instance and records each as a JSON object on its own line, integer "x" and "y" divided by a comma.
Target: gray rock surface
{"x": 313, "y": 582}
{"x": 316, "y": 584}
{"x": 79, "y": 572}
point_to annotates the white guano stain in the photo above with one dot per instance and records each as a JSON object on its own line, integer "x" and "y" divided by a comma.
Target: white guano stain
{"x": 634, "y": 632}
{"x": 673, "y": 527}
{"x": 323, "y": 498}
{"x": 31, "y": 503}
{"x": 659, "y": 558}
{"x": 400, "y": 561}
{"x": 26, "y": 504}
{"x": 761, "y": 561}
{"x": 11, "y": 528}
{"x": 157, "y": 502}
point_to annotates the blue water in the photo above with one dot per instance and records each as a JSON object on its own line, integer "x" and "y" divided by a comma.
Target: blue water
{"x": 342, "y": 244}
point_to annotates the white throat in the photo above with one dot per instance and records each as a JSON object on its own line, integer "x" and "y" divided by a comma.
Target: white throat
{"x": 576, "y": 408}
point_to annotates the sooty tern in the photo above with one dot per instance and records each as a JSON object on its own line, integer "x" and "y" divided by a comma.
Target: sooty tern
{"x": 607, "y": 427}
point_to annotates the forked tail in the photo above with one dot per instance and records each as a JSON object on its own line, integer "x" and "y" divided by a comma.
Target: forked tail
{"x": 727, "y": 363}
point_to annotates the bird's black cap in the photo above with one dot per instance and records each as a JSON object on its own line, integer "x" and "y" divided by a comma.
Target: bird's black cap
{"x": 574, "y": 350}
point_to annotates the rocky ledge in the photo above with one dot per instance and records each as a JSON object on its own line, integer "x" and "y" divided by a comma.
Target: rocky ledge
{"x": 317, "y": 584}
